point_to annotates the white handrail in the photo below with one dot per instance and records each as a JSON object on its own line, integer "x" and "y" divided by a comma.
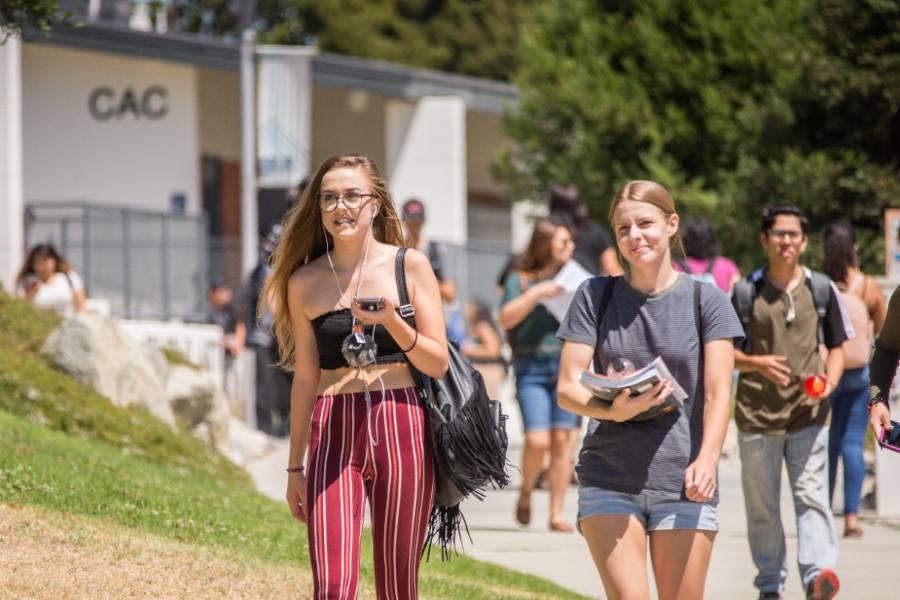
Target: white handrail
{"x": 201, "y": 344}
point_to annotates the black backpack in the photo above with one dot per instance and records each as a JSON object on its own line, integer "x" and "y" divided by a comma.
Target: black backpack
{"x": 467, "y": 433}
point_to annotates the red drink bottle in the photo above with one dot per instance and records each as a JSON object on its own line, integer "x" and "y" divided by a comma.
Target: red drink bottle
{"x": 814, "y": 386}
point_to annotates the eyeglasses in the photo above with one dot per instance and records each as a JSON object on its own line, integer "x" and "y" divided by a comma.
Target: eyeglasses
{"x": 352, "y": 200}
{"x": 790, "y": 235}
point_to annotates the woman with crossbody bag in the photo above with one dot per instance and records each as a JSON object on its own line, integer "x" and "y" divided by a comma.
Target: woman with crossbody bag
{"x": 648, "y": 474}
{"x": 865, "y": 306}
{"x": 352, "y": 343}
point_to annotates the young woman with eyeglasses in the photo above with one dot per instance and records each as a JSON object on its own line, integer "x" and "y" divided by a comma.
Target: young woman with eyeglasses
{"x": 644, "y": 475}
{"x": 532, "y": 336}
{"x": 353, "y": 399}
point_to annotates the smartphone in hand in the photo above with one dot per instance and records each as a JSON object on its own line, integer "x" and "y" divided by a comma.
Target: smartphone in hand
{"x": 373, "y": 303}
{"x": 890, "y": 440}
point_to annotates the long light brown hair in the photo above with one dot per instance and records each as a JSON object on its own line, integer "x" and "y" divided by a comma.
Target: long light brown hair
{"x": 535, "y": 261}
{"x": 650, "y": 192}
{"x": 304, "y": 240}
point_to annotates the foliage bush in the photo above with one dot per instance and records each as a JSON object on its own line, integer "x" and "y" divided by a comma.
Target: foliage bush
{"x": 731, "y": 105}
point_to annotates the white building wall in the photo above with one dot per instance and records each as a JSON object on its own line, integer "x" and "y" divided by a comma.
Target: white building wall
{"x": 11, "y": 202}
{"x": 484, "y": 140}
{"x": 524, "y": 214}
{"x": 347, "y": 121}
{"x": 128, "y": 160}
{"x": 219, "y": 114}
{"x": 426, "y": 158}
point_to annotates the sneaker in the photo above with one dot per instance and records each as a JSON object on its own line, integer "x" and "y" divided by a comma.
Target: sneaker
{"x": 825, "y": 586}
{"x": 769, "y": 596}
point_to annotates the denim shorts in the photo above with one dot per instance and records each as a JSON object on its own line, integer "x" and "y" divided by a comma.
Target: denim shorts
{"x": 657, "y": 514}
{"x": 536, "y": 392}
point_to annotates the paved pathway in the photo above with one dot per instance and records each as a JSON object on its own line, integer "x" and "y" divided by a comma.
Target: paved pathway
{"x": 865, "y": 565}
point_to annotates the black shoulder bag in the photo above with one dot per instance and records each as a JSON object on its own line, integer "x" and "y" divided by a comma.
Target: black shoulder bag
{"x": 467, "y": 433}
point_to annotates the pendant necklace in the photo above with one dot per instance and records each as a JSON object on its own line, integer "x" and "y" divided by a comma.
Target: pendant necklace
{"x": 358, "y": 348}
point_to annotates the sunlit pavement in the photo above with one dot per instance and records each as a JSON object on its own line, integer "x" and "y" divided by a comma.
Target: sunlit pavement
{"x": 864, "y": 565}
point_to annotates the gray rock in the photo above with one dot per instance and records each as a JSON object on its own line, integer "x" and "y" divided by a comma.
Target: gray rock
{"x": 199, "y": 403}
{"x": 245, "y": 444}
{"x": 97, "y": 352}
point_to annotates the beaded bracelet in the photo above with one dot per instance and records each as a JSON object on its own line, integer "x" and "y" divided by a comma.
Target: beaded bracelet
{"x": 295, "y": 469}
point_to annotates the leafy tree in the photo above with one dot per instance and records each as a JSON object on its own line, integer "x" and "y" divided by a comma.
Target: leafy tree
{"x": 724, "y": 103}
{"x": 473, "y": 37}
{"x": 17, "y": 16}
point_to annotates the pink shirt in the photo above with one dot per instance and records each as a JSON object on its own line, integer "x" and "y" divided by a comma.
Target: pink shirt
{"x": 723, "y": 270}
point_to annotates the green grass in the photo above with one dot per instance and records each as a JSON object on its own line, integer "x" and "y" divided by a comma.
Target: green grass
{"x": 31, "y": 387}
{"x": 177, "y": 357}
{"x": 66, "y": 448}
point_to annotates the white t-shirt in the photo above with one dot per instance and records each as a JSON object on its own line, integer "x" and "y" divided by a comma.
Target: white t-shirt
{"x": 58, "y": 293}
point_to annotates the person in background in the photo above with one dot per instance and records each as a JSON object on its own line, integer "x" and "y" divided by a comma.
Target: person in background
{"x": 883, "y": 367}
{"x": 222, "y": 311}
{"x": 703, "y": 258}
{"x": 273, "y": 385}
{"x": 49, "y": 281}
{"x": 593, "y": 250}
{"x": 865, "y": 306}
{"x": 483, "y": 346}
{"x": 413, "y": 212}
{"x": 788, "y": 311}
{"x": 536, "y": 349}
{"x": 414, "y": 219}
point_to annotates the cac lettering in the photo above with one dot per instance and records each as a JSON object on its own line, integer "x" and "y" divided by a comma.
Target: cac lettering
{"x": 104, "y": 104}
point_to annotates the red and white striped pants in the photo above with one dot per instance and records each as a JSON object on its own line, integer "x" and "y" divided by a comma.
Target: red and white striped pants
{"x": 388, "y": 462}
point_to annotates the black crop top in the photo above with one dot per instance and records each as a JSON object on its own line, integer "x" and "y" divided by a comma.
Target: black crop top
{"x": 333, "y": 327}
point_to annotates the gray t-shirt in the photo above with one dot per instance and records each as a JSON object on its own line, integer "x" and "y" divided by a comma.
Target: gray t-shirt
{"x": 648, "y": 457}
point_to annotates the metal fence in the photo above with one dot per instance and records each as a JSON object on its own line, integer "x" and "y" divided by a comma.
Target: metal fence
{"x": 476, "y": 267}
{"x": 225, "y": 261}
{"x": 148, "y": 265}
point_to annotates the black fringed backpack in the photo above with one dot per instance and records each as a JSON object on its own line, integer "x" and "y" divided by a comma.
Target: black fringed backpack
{"x": 468, "y": 438}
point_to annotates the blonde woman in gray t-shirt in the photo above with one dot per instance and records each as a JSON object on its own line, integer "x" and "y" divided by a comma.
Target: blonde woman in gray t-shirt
{"x": 646, "y": 472}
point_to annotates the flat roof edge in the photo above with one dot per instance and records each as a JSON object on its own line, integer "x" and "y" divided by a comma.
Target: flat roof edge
{"x": 401, "y": 81}
{"x": 387, "y": 78}
{"x": 106, "y": 37}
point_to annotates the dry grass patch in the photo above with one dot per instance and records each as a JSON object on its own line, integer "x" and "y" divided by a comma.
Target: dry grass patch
{"x": 45, "y": 554}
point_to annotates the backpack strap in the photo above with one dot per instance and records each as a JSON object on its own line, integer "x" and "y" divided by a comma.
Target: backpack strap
{"x": 400, "y": 275}
{"x": 605, "y": 299}
{"x": 820, "y": 286}
{"x": 744, "y": 293}
{"x": 698, "y": 318}
{"x": 710, "y": 264}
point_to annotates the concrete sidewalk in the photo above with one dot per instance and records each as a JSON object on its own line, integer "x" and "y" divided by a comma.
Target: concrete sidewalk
{"x": 864, "y": 565}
